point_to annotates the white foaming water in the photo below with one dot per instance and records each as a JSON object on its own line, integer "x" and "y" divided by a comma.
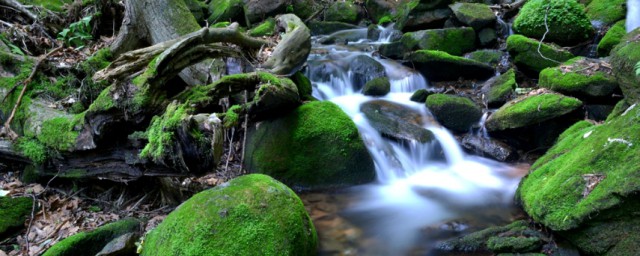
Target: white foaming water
{"x": 419, "y": 184}
{"x": 633, "y": 15}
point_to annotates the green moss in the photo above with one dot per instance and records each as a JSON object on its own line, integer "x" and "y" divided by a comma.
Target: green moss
{"x": 315, "y": 146}
{"x": 385, "y": 20}
{"x": 554, "y": 192}
{"x": 90, "y": 243}
{"x": 58, "y": 133}
{"x": 568, "y": 24}
{"x": 32, "y": 149}
{"x": 265, "y": 28}
{"x": 502, "y": 89}
{"x": 514, "y": 244}
{"x": 304, "y": 85}
{"x": 612, "y": 38}
{"x": 225, "y": 10}
{"x": 249, "y": 215}
{"x": 455, "y": 41}
{"x": 531, "y": 110}
{"x": 53, "y": 5}
{"x": 377, "y": 87}
{"x": 624, "y": 58}
{"x": 342, "y": 11}
{"x": 607, "y": 11}
{"x": 161, "y": 132}
{"x": 454, "y": 112}
{"x": 103, "y": 102}
{"x": 571, "y": 80}
{"x": 14, "y": 212}
{"x": 525, "y": 53}
{"x": 475, "y": 15}
{"x": 490, "y": 57}
{"x": 427, "y": 55}
{"x": 232, "y": 117}
{"x": 495, "y": 237}
{"x": 99, "y": 60}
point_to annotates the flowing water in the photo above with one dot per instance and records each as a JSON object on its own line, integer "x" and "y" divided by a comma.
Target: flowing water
{"x": 420, "y": 186}
{"x": 633, "y": 15}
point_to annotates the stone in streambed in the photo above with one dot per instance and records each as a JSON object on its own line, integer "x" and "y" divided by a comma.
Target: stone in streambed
{"x": 365, "y": 69}
{"x": 454, "y": 41}
{"x": 474, "y": 15}
{"x": 624, "y": 61}
{"x": 584, "y": 78}
{"x": 566, "y": 19}
{"x": 500, "y": 89}
{"x": 525, "y": 54}
{"x": 488, "y": 147}
{"x": 516, "y": 237}
{"x": 454, "y": 112}
{"x": 396, "y": 121}
{"x": 377, "y": 87}
{"x": 441, "y": 66}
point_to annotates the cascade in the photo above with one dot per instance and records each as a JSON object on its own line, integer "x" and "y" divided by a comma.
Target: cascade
{"x": 633, "y": 15}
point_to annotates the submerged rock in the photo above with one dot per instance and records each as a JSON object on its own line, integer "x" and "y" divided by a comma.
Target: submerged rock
{"x": 454, "y": 41}
{"x": 454, "y": 112}
{"x": 14, "y": 212}
{"x": 525, "y": 54}
{"x": 586, "y": 186}
{"x": 582, "y": 78}
{"x": 624, "y": 59}
{"x": 474, "y": 15}
{"x": 516, "y": 237}
{"x": 568, "y": 24}
{"x": 249, "y": 215}
{"x": 441, "y": 66}
{"x": 90, "y": 243}
{"x": 396, "y": 121}
{"x": 317, "y": 146}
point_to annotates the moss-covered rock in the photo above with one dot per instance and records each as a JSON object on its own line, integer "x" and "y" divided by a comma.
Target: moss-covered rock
{"x": 580, "y": 77}
{"x": 421, "y": 95}
{"x": 454, "y": 112}
{"x": 90, "y": 243}
{"x": 249, "y": 215}
{"x": 501, "y": 89}
{"x": 397, "y": 121}
{"x": 525, "y": 54}
{"x": 342, "y": 11}
{"x": 568, "y": 24}
{"x": 516, "y": 237}
{"x": 379, "y": 9}
{"x": 257, "y": 10}
{"x": 612, "y": 38}
{"x": 377, "y": 87}
{"x": 454, "y": 41}
{"x": 441, "y": 66}
{"x": 474, "y": 15}
{"x": 530, "y": 110}
{"x": 486, "y": 56}
{"x": 14, "y": 212}
{"x": 304, "y": 8}
{"x": 607, "y": 11}
{"x": 226, "y": 10}
{"x": 266, "y": 28}
{"x": 316, "y": 146}
{"x": 304, "y": 85}
{"x": 586, "y": 185}
{"x": 624, "y": 59}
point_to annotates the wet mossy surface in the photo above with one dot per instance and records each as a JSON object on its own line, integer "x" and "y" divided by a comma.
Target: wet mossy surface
{"x": 568, "y": 24}
{"x": 454, "y": 112}
{"x": 377, "y": 87}
{"x": 266, "y": 28}
{"x": 502, "y": 90}
{"x": 162, "y": 132}
{"x": 14, "y": 212}
{"x": 90, "y": 243}
{"x": 607, "y": 11}
{"x": 249, "y": 215}
{"x": 342, "y": 11}
{"x": 441, "y": 66}
{"x": 525, "y": 54}
{"x": 624, "y": 58}
{"x": 516, "y": 237}
{"x": 455, "y": 41}
{"x": 490, "y": 57}
{"x": 612, "y": 38}
{"x": 571, "y": 79}
{"x": 475, "y": 15}
{"x": 317, "y": 146}
{"x": 531, "y": 110}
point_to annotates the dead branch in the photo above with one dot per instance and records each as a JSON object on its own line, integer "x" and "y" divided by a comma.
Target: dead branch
{"x": 19, "y": 7}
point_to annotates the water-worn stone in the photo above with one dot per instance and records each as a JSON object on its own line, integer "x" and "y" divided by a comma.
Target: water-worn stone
{"x": 581, "y": 77}
{"x": 365, "y": 69}
{"x": 516, "y": 237}
{"x": 454, "y": 112}
{"x": 474, "y": 15}
{"x": 500, "y": 89}
{"x": 90, "y": 243}
{"x": 396, "y": 121}
{"x": 14, "y": 212}
{"x": 486, "y": 56}
{"x": 317, "y": 146}
{"x": 249, "y": 215}
{"x": 421, "y": 95}
{"x": 568, "y": 24}
{"x": 488, "y": 147}
{"x": 377, "y": 9}
{"x": 429, "y": 19}
{"x": 122, "y": 245}
{"x": 531, "y": 110}
{"x": 525, "y": 54}
{"x": 624, "y": 59}
{"x": 454, "y": 41}
{"x": 441, "y": 66}
{"x": 328, "y": 27}
{"x": 487, "y": 37}
{"x": 377, "y": 87}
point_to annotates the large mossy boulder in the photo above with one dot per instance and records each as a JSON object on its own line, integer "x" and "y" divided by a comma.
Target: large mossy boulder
{"x": 586, "y": 186}
{"x": 90, "y": 243}
{"x": 530, "y": 110}
{"x": 568, "y": 24}
{"x": 317, "y": 146}
{"x": 342, "y": 11}
{"x": 624, "y": 59}
{"x": 397, "y": 121}
{"x": 612, "y": 38}
{"x": 441, "y": 66}
{"x": 607, "y": 11}
{"x": 249, "y": 215}
{"x": 581, "y": 77}
{"x": 486, "y": 56}
{"x": 14, "y": 212}
{"x": 474, "y": 15}
{"x": 497, "y": 91}
{"x": 454, "y": 112}
{"x": 257, "y": 10}
{"x": 454, "y": 41}
{"x": 525, "y": 54}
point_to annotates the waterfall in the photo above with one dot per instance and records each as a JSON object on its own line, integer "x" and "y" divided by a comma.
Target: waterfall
{"x": 633, "y": 15}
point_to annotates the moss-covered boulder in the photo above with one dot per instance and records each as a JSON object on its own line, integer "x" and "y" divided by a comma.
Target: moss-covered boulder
{"x": 568, "y": 24}
{"x": 421, "y": 95}
{"x": 304, "y": 85}
{"x": 516, "y": 237}
{"x": 14, "y": 212}
{"x": 257, "y": 10}
{"x": 497, "y": 91}
{"x": 342, "y": 11}
{"x": 304, "y": 9}
{"x": 381, "y": 9}
{"x": 454, "y": 41}
{"x": 581, "y": 77}
{"x": 607, "y": 11}
{"x": 525, "y": 54}
{"x": 90, "y": 243}
{"x": 624, "y": 59}
{"x": 611, "y": 38}
{"x": 226, "y": 10}
{"x": 364, "y": 69}
{"x": 586, "y": 186}
{"x": 454, "y": 112}
{"x": 486, "y": 56}
{"x": 249, "y": 215}
{"x": 441, "y": 66}
{"x": 474, "y": 15}
{"x": 266, "y": 28}
{"x": 377, "y": 87}
{"x": 316, "y": 146}
{"x": 530, "y": 110}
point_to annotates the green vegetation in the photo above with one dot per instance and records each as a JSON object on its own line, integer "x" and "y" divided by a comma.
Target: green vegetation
{"x": 455, "y": 41}
{"x": 249, "y": 215}
{"x": 78, "y": 33}
{"x": 568, "y": 24}
{"x": 377, "y": 87}
{"x": 53, "y": 5}
{"x": 502, "y": 89}
{"x": 571, "y": 79}
{"x": 304, "y": 86}
{"x": 490, "y": 57}
{"x": 232, "y": 117}
{"x": 607, "y": 11}
{"x": 454, "y": 112}
{"x": 624, "y": 61}
{"x": 342, "y": 11}
{"x": 32, "y": 149}
{"x": 531, "y": 110}
{"x": 475, "y": 15}
{"x": 90, "y": 243}
{"x": 612, "y": 38}
{"x": 265, "y": 28}
{"x": 161, "y": 132}
{"x": 225, "y": 10}
{"x": 14, "y": 212}
{"x": 315, "y": 146}
{"x": 525, "y": 53}
{"x": 516, "y": 237}
{"x": 59, "y": 133}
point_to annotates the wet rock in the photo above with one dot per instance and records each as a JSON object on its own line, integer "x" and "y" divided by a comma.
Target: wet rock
{"x": 516, "y": 237}
{"x": 316, "y": 146}
{"x": 365, "y": 69}
{"x": 454, "y": 41}
{"x": 345, "y": 36}
{"x": 377, "y": 87}
{"x": 304, "y": 9}
{"x": 226, "y": 10}
{"x": 14, "y": 212}
{"x": 475, "y": 15}
{"x": 377, "y": 9}
{"x": 486, "y": 56}
{"x": 584, "y": 78}
{"x": 525, "y": 54}
{"x": 612, "y": 38}
{"x": 421, "y": 95}
{"x": 396, "y": 121}
{"x": 441, "y": 66}
{"x": 573, "y": 27}
{"x": 121, "y": 246}
{"x": 255, "y": 223}
{"x": 598, "y": 112}
{"x": 624, "y": 58}
{"x": 328, "y": 27}
{"x": 487, "y": 37}
{"x": 530, "y": 110}
{"x": 342, "y": 11}
{"x": 498, "y": 90}
{"x": 489, "y": 147}
{"x": 393, "y": 50}
{"x": 454, "y": 112}
{"x": 430, "y": 19}
{"x": 90, "y": 243}
{"x": 256, "y": 10}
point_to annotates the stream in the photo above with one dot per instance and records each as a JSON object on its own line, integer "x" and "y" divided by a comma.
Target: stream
{"x": 425, "y": 192}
